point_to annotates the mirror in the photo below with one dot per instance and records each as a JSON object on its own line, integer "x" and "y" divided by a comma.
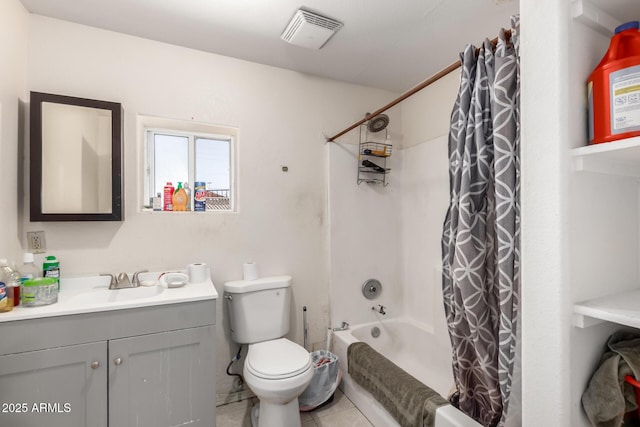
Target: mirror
{"x": 76, "y": 159}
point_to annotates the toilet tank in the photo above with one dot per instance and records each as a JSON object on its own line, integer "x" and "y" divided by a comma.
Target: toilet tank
{"x": 258, "y": 309}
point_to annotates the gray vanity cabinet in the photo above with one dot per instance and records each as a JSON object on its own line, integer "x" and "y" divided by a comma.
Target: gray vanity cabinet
{"x": 58, "y": 387}
{"x": 142, "y": 367}
{"x": 164, "y": 379}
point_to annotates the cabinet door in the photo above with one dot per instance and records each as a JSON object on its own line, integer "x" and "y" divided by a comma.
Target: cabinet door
{"x": 162, "y": 380}
{"x": 58, "y": 387}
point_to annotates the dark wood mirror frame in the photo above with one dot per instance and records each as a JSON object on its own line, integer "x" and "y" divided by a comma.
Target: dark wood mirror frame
{"x": 36, "y": 158}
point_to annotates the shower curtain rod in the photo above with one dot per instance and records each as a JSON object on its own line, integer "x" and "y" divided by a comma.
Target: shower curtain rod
{"x": 440, "y": 74}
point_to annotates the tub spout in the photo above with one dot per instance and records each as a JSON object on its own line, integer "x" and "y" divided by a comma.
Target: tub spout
{"x": 342, "y": 327}
{"x": 380, "y": 309}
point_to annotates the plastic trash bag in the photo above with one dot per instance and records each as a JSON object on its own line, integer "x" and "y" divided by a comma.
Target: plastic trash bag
{"x": 326, "y": 377}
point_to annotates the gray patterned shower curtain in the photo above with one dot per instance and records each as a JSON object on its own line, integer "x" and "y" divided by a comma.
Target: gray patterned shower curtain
{"x": 481, "y": 235}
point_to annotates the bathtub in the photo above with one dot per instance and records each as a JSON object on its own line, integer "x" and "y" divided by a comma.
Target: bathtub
{"x": 414, "y": 348}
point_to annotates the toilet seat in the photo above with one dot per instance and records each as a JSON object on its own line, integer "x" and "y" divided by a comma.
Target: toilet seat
{"x": 277, "y": 359}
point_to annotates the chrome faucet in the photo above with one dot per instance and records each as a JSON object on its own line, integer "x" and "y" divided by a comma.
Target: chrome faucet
{"x": 379, "y": 309}
{"x": 122, "y": 280}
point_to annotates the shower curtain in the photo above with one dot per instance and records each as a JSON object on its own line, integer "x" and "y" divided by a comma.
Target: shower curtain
{"x": 481, "y": 235}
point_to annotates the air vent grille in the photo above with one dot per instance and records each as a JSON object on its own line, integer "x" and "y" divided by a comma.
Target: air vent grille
{"x": 310, "y": 30}
{"x": 321, "y": 21}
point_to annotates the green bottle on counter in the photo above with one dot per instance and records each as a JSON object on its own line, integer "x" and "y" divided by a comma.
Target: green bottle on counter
{"x": 51, "y": 268}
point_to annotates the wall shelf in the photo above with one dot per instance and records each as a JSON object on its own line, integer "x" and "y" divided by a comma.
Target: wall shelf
{"x": 621, "y": 158}
{"x": 622, "y": 308}
{"x": 593, "y": 17}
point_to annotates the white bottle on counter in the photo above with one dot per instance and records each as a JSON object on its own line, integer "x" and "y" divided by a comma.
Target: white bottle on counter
{"x": 28, "y": 270}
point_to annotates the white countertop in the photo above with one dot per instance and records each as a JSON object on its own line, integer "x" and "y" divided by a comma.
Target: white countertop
{"x": 89, "y": 294}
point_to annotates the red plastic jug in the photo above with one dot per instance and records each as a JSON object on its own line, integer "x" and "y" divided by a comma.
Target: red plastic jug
{"x": 614, "y": 88}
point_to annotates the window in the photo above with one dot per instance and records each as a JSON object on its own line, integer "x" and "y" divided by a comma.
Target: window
{"x": 178, "y": 155}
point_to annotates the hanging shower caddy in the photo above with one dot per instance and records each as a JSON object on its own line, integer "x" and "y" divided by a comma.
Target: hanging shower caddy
{"x": 372, "y": 156}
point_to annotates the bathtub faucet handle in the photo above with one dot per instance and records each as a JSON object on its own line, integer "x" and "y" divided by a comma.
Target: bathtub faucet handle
{"x": 380, "y": 309}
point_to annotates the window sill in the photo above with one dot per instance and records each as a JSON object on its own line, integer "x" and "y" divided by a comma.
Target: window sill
{"x": 152, "y": 212}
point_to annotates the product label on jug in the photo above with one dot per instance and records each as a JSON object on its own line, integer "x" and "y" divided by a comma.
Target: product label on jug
{"x": 624, "y": 88}
{"x": 4, "y": 301}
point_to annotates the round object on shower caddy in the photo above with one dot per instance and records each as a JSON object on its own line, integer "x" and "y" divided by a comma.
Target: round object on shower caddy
{"x": 371, "y": 288}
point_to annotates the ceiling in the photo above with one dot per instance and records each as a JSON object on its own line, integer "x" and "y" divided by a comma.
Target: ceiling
{"x": 387, "y": 44}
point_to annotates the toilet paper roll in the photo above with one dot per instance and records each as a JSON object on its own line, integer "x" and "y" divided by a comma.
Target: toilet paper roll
{"x": 198, "y": 272}
{"x": 249, "y": 271}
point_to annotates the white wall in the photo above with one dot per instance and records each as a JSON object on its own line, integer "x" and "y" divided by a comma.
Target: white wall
{"x": 425, "y": 198}
{"x": 281, "y": 115}
{"x": 546, "y": 310}
{"x": 427, "y": 114}
{"x": 365, "y": 237}
{"x": 393, "y": 233}
{"x": 14, "y": 26}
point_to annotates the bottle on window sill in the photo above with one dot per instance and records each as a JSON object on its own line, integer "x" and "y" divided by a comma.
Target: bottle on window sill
{"x": 180, "y": 199}
{"x": 168, "y": 196}
{"x": 187, "y": 191}
{"x": 157, "y": 202}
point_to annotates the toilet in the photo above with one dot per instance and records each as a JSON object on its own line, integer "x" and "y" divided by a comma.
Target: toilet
{"x": 276, "y": 370}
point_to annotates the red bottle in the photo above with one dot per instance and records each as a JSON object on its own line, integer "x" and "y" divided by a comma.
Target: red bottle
{"x": 613, "y": 88}
{"x": 168, "y": 196}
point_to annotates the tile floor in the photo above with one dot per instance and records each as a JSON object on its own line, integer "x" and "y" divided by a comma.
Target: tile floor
{"x": 339, "y": 413}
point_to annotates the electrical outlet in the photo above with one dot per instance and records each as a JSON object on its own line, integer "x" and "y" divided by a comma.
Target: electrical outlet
{"x": 36, "y": 242}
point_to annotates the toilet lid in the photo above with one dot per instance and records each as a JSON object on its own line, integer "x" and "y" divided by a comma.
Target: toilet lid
{"x": 277, "y": 359}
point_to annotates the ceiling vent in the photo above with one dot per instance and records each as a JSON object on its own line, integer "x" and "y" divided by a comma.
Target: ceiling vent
{"x": 310, "y": 30}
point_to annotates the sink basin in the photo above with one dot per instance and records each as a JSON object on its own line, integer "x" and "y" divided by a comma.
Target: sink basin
{"x": 104, "y": 295}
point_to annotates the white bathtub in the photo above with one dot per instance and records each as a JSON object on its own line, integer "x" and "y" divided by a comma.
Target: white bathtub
{"x": 416, "y": 350}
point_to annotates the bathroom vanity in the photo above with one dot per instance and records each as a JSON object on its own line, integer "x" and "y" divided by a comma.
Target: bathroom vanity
{"x": 102, "y": 358}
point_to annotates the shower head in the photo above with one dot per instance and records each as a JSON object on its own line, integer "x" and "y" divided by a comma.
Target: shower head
{"x": 378, "y": 123}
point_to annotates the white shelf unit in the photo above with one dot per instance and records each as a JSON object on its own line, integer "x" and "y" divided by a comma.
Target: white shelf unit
{"x": 602, "y": 207}
{"x": 622, "y": 308}
{"x": 619, "y": 158}
{"x": 593, "y": 17}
